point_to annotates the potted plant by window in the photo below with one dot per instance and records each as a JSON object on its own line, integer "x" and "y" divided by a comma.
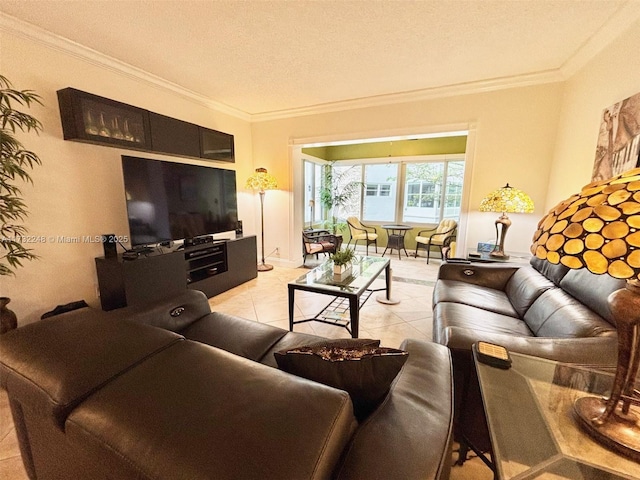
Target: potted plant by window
{"x": 342, "y": 262}
{"x": 15, "y": 163}
{"x": 337, "y": 192}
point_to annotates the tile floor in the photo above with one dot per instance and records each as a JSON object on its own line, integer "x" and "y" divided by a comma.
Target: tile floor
{"x": 264, "y": 299}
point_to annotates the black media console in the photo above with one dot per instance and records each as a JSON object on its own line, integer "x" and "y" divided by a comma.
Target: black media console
{"x": 210, "y": 267}
{"x": 206, "y": 262}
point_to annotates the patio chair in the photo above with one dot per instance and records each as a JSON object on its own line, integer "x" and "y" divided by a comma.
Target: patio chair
{"x": 361, "y": 232}
{"x": 315, "y": 242}
{"x": 440, "y": 236}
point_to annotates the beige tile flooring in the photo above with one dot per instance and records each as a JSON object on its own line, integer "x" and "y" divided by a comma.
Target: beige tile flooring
{"x": 265, "y": 300}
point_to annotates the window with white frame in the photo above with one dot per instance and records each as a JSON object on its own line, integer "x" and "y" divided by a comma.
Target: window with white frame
{"x": 433, "y": 191}
{"x": 380, "y": 199}
{"x": 417, "y": 192}
{"x": 347, "y": 179}
{"x": 312, "y": 183}
{"x": 378, "y": 190}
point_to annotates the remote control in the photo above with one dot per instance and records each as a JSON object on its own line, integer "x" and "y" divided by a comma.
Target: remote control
{"x": 491, "y": 354}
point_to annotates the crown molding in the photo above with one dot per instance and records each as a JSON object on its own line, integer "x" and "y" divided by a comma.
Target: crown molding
{"x": 621, "y": 20}
{"x": 26, "y": 30}
{"x": 612, "y": 28}
{"x": 549, "y": 76}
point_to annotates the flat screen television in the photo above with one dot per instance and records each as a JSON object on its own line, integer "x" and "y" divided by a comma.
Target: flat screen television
{"x": 174, "y": 201}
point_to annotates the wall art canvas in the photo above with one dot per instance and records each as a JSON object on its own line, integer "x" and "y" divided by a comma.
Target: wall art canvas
{"x": 618, "y": 139}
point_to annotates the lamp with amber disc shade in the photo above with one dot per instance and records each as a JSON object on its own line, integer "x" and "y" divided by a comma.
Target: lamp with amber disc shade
{"x": 599, "y": 229}
{"x": 505, "y": 200}
{"x": 262, "y": 180}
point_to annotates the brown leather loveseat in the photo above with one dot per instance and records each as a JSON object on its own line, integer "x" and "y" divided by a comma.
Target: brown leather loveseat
{"x": 174, "y": 391}
{"x": 537, "y": 309}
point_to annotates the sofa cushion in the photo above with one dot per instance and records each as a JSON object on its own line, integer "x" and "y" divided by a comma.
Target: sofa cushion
{"x": 447, "y": 314}
{"x": 524, "y": 287}
{"x": 581, "y": 284}
{"x": 557, "y": 314}
{"x": 358, "y": 366}
{"x": 202, "y": 413}
{"x": 237, "y": 335}
{"x": 484, "y": 298}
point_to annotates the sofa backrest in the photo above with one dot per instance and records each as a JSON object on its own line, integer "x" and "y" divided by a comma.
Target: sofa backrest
{"x": 50, "y": 367}
{"x": 589, "y": 289}
{"x": 54, "y": 364}
{"x": 592, "y": 290}
{"x": 524, "y": 287}
{"x": 557, "y": 314}
{"x": 555, "y": 273}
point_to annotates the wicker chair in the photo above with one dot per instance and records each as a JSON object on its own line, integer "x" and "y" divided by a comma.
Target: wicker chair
{"x": 361, "y": 232}
{"x": 440, "y": 237}
{"x": 319, "y": 241}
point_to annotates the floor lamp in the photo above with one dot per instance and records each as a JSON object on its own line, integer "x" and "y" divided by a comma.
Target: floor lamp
{"x": 505, "y": 200}
{"x": 261, "y": 180}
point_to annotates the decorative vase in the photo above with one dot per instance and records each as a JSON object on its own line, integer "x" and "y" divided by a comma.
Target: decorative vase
{"x": 8, "y": 319}
{"x": 340, "y": 272}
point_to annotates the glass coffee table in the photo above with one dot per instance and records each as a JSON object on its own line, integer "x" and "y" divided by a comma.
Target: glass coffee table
{"x": 534, "y": 434}
{"x": 349, "y": 294}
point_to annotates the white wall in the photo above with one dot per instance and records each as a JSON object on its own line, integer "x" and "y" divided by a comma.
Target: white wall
{"x": 514, "y": 132}
{"x": 79, "y": 188}
{"x": 611, "y": 76}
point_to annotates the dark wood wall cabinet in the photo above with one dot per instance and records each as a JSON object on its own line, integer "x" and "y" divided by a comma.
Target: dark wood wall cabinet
{"x": 93, "y": 119}
{"x": 212, "y": 268}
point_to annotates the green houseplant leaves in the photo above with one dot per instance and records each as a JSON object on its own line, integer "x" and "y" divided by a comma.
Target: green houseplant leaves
{"x": 15, "y": 164}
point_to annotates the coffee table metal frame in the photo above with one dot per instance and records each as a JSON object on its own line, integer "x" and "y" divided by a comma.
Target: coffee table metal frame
{"x": 349, "y": 294}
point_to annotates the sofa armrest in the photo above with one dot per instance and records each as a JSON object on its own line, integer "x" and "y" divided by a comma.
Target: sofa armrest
{"x": 409, "y": 435}
{"x": 591, "y": 350}
{"x": 493, "y": 276}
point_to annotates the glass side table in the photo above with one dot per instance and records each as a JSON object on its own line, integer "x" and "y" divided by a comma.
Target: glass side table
{"x": 485, "y": 257}
{"x": 534, "y": 435}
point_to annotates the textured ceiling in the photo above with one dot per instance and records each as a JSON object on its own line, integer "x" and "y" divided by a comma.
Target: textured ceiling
{"x": 272, "y": 56}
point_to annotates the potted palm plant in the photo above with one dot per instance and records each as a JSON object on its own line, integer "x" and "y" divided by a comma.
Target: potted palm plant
{"x": 15, "y": 163}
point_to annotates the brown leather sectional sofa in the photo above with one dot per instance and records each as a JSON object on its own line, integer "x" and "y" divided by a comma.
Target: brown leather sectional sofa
{"x": 539, "y": 309}
{"x": 174, "y": 391}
